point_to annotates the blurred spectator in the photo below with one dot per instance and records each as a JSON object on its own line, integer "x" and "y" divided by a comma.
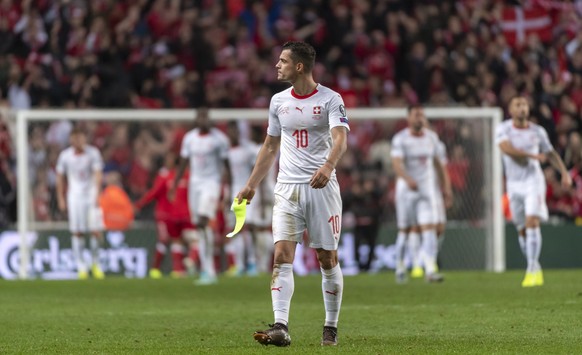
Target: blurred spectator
{"x": 186, "y": 53}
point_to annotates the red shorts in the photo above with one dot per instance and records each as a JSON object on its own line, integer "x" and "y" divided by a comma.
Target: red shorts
{"x": 172, "y": 229}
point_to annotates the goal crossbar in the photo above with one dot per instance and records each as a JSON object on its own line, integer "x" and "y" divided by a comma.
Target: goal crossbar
{"x": 495, "y": 258}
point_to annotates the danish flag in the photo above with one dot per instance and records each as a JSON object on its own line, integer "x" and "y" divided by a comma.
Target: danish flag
{"x": 519, "y": 22}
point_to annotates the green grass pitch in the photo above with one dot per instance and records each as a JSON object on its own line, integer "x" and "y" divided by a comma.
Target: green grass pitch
{"x": 471, "y": 313}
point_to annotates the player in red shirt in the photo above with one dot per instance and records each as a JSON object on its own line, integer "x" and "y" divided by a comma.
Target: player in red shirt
{"x": 172, "y": 217}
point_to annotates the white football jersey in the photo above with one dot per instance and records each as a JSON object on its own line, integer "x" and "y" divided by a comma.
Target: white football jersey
{"x": 417, "y": 153}
{"x": 304, "y": 124}
{"x": 206, "y": 152}
{"x": 532, "y": 139}
{"x": 79, "y": 169}
{"x": 241, "y": 159}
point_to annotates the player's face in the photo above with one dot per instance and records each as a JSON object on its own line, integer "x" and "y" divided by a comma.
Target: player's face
{"x": 519, "y": 108}
{"x": 233, "y": 133}
{"x": 286, "y": 69}
{"x": 202, "y": 119}
{"x": 416, "y": 119}
{"x": 78, "y": 140}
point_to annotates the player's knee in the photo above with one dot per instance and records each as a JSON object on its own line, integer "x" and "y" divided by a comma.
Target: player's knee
{"x": 327, "y": 259}
{"x": 532, "y": 222}
{"x": 284, "y": 253}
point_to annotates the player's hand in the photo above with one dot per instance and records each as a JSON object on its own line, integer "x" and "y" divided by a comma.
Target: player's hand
{"x": 411, "y": 184}
{"x": 247, "y": 192}
{"x": 62, "y": 204}
{"x": 321, "y": 177}
{"x": 566, "y": 180}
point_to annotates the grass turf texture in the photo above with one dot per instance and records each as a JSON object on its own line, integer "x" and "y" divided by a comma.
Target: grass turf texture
{"x": 472, "y": 312}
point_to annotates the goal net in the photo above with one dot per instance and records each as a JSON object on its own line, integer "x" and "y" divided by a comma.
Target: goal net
{"x": 134, "y": 141}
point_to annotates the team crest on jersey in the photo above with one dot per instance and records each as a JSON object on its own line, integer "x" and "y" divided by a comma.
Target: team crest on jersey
{"x": 283, "y": 110}
{"x": 316, "y": 112}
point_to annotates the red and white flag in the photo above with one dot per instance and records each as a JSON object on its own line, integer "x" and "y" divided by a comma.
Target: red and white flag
{"x": 518, "y": 23}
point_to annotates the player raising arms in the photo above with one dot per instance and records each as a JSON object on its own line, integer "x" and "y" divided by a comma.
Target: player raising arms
{"x": 82, "y": 166}
{"x": 206, "y": 149}
{"x": 524, "y": 144}
{"x": 308, "y": 122}
{"x": 418, "y": 169}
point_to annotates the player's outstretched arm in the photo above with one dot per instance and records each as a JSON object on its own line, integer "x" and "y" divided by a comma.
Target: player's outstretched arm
{"x": 264, "y": 161}
{"x": 339, "y": 136}
{"x": 558, "y": 163}
{"x": 517, "y": 154}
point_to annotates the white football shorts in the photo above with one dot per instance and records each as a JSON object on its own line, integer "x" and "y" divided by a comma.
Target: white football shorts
{"x": 203, "y": 199}
{"x": 299, "y": 207}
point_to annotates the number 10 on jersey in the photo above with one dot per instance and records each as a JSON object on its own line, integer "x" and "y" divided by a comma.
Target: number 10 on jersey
{"x": 301, "y": 137}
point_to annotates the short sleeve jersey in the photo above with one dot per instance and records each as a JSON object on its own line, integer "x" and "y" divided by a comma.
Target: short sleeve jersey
{"x": 79, "y": 168}
{"x": 304, "y": 124}
{"x": 206, "y": 152}
{"x": 532, "y": 139}
{"x": 417, "y": 153}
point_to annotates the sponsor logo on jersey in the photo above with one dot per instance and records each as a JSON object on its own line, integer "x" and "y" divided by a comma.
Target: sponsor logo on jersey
{"x": 283, "y": 110}
{"x": 300, "y": 109}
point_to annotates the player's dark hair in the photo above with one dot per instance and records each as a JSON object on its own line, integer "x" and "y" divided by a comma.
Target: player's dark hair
{"x": 514, "y": 97}
{"x": 77, "y": 130}
{"x": 302, "y": 52}
{"x": 413, "y": 106}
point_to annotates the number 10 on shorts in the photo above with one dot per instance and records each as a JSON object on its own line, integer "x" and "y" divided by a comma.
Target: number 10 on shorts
{"x": 335, "y": 224}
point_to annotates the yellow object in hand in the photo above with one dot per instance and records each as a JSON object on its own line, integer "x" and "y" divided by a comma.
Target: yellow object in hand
{"x": 240, "y": 212}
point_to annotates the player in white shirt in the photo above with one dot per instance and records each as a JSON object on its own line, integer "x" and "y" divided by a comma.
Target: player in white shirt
{"x": 205, "y": 148}
{"x": 419, "y": 171}
{"x": 81, "y": 166}
{"x": 241, "y": 157}
{"x": 441, "y": 206}
{"x": 524, "y": 145}
{"x": 260, "y": 212}
{"x": 308, "y": 123}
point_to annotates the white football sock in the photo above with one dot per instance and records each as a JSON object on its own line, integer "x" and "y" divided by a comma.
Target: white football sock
{"x": 400, "y": 245}
{"x": 95, "y": 243}
{"x": 430, "y": 249}
{"x": 250, "y": 248}
{"x": 533, "y": 248}
{"x": 282, "y": 287}
{"x": 332, "y": 286}
{"x": 78, "y": 244}
{"x": 207, "y": 252}
{"x": 522, "y": 245}
{"x": 414, "y": 249}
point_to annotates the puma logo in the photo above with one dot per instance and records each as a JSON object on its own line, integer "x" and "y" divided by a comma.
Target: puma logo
{"x": 332, "y": 292}
{"x": 300, "y": 109}
{"x": 276, "y": 288}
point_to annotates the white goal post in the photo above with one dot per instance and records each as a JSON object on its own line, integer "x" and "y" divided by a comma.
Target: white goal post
{"x": 495, "y": 249}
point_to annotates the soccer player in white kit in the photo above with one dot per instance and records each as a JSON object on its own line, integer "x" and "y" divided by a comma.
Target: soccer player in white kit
{"x": 308, "y": 123}
{"x": 205, "y": 148}
{"x": 524, "y": 145}
{"x": 241, "y": 157}
{"x": 418, "y": 169}
{"x": 81, "y": 165}
{"x": 441, "y": 206}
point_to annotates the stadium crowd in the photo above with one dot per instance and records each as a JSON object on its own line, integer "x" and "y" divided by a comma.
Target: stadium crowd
{"x": 385, "y": 53}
